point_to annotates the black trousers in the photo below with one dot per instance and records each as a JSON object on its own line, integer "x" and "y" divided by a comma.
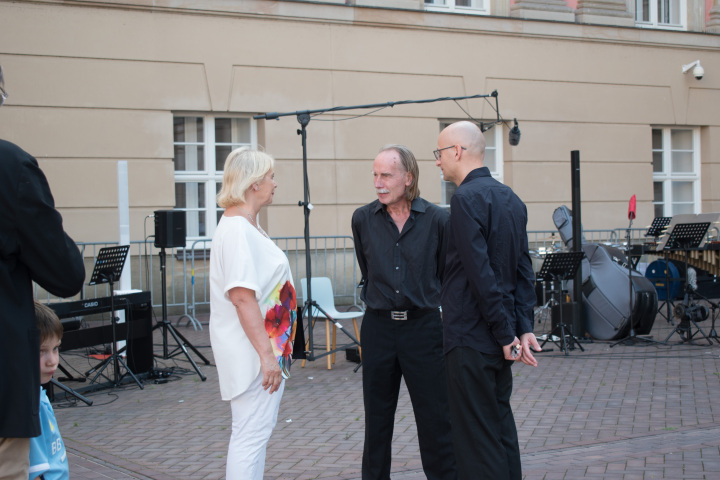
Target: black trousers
{"x": 392, "y": 349}
{"x": 484, "y": 432}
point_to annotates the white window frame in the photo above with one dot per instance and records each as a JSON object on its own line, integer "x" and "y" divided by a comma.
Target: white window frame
{"x": 477, "y": 7}
{"x": 656, "y": 14}
{"x": 208, "y": 176}
{"x": 448, "y": 188}
{"x": 667, "y": 176}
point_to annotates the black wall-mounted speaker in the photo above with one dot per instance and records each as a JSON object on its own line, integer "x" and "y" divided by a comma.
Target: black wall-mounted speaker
{"x": 169, "y": 228}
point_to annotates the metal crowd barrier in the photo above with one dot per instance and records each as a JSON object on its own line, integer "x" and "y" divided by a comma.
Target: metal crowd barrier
{"x": 332, "y": 256}
{"x": 187, "y": 269}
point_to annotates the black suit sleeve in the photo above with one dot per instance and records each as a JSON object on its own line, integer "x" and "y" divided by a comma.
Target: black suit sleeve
{"x": 51, "y": 256}
{"x": 525, "y": 286}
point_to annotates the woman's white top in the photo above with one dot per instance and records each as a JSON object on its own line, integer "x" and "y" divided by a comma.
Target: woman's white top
{"x": 240, "y": 256}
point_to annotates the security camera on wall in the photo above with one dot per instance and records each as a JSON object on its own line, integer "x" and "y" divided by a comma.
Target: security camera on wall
{"x": 697, "y": 70}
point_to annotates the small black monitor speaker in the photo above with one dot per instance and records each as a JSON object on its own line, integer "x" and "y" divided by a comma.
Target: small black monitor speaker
{"x": 140, "y": 347}
{"x": 169, "y": 228}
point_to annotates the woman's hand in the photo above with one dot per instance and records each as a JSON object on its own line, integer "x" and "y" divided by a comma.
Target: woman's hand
{"x": 272, "y": 375}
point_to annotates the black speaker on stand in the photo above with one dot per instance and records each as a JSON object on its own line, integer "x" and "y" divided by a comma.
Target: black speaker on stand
{"x": 170, "y": 233}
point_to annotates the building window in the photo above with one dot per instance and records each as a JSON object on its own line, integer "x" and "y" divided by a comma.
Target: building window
{"x": 493, "y": 160}
{"x": 202, "y": 142}
{"x": 666, "y": 14}
{"x": 475, "y": 7}
{"x": 676, "y": 171}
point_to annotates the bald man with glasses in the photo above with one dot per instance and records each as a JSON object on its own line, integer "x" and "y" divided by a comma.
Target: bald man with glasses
{"x": 487, "y": 301}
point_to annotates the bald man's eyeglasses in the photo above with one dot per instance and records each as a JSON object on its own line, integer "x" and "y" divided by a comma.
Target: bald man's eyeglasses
{"x": 437, "y": 152}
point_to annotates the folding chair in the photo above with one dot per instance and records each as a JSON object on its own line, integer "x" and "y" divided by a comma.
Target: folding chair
{"x": 323, "y": 295}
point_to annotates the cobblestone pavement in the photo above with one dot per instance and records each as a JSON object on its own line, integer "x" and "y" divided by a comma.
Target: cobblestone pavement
{"x": 640, "y": 411}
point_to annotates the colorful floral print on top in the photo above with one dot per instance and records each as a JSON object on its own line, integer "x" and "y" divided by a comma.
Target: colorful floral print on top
{"x": 279, "y": 320}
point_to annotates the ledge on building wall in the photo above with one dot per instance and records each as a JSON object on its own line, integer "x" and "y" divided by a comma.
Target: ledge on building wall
{"x": 713, "y": 24}
{"x": 555, "y": 10}
{"x": 604, "y": 12}
{"x": 403, "y": 4}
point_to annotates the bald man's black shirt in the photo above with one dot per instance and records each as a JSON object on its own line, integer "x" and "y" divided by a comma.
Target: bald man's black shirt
{"x": 488, "y": 291}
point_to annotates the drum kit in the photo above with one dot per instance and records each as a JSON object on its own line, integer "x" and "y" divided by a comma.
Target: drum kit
{"x": 551, "y": 244}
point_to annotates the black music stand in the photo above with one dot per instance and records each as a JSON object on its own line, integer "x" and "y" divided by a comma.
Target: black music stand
{"x": 108, "y": 268}
{"x": 561, "y": 266}
{"x": 658, "y": 226}
{"x": 686, "y": 237}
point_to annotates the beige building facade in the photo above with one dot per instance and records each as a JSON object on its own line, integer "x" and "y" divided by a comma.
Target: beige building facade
{"x": 171, "y": 86}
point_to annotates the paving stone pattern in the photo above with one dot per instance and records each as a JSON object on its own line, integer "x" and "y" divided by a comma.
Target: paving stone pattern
{"x": 639, "y": 411}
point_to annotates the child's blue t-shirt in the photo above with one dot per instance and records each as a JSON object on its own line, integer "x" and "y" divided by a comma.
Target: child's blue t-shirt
{"x": 47, "y": 452}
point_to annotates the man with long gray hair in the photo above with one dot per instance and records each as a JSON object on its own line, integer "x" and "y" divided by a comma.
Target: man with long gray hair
{"x": 400, "y": 243}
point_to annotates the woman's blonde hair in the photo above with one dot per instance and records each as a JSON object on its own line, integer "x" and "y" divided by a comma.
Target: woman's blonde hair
{"x": 243, "y": 167}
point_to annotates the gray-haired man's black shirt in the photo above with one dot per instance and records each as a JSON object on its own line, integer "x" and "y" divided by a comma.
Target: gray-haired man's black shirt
{"x": 402, "y": 271}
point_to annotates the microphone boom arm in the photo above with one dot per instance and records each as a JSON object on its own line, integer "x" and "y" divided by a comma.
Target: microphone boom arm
{"x": 276, "y": 116}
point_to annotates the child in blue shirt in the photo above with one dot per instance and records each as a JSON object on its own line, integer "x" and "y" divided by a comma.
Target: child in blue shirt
{"x": 48, "y": 460}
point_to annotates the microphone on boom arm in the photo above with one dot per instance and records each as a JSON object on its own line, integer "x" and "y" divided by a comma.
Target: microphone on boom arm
{"x": 514, "y": 135}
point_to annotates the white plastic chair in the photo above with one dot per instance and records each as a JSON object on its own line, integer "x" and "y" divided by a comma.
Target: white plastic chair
{"x": 323, "y": 295}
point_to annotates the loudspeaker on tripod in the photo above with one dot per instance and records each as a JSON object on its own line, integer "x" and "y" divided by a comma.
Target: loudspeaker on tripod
{"x": 169, "y": 228}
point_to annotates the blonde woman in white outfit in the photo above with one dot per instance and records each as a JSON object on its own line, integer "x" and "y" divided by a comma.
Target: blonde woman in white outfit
{"x": 252, "y": 311}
